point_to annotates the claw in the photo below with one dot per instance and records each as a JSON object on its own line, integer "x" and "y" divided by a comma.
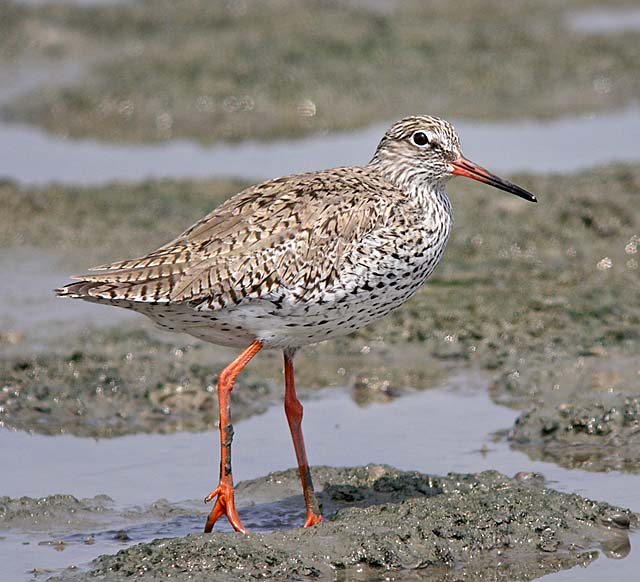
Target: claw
{"x": 312, "y": 519}
{"x": 225, "y": 505}
{"x": 211, "y": 495}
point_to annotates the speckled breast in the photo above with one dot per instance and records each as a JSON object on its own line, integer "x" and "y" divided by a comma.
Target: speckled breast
{"x": 372, "y": 283}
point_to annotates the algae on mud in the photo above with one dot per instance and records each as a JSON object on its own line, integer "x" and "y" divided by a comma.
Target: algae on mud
{"x": 404, "y": 524}
{"x": 218, "y": 70}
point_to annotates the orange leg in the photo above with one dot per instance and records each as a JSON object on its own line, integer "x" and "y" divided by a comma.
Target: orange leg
{"x": 293, "y": 409}
{"x": 225, "y": 504}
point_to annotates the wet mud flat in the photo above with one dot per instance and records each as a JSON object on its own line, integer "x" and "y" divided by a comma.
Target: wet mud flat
{"x": 106, "y": 382}
{"x": 380, "y": 522}
{"x": 62, "y": 531}
{"x": 300, "y": 68}
{"x": 543, "y": 299}
{"x": 548, "y": 304}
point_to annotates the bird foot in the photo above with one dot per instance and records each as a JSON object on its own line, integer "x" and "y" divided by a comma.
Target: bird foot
{"x": 225, "y": 505}
{"x": 312, "y": 519}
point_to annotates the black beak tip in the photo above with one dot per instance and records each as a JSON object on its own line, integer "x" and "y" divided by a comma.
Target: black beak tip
{"x": 518, "y": 191}
{"x": 522, "y": 193}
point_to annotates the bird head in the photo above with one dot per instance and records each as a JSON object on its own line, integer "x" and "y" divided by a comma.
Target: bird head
{"x": 426, "y": 150}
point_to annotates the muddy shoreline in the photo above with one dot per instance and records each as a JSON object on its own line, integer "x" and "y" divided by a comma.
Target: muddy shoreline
{"x": 544, "y": 307}
{"x": 439, "y": 524}
{"x": 537, "y": 305}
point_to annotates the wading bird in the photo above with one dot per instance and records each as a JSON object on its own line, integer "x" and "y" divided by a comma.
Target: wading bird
{"x": 298, "y": 260}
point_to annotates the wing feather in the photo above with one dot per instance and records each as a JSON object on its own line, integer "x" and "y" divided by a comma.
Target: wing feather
{"x": 283, "y": 233}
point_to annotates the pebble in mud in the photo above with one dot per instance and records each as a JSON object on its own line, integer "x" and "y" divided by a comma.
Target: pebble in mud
{"x": 406, "y": 525}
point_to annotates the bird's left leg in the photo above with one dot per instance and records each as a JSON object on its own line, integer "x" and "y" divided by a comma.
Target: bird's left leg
{"x": 293, "y": 410}
{"x": 224, "y": 493}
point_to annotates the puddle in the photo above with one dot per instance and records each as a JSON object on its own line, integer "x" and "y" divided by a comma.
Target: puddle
{"x": 28, "y": 303}
{"x": 33, "y": 157}
{"x": 604, "y": 20}
{"x": 140, "y": 469}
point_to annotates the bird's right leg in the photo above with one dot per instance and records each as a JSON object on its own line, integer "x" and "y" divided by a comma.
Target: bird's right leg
{"x": 293, "y": 410}
{"x": 223, "y": 493}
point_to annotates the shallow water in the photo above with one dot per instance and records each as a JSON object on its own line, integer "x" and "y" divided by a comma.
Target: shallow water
{"x": 31, "y": 156}
{"x": 605, "y": 20}
{"x": 28, "y": 303}
{"x": 448, "y": 429}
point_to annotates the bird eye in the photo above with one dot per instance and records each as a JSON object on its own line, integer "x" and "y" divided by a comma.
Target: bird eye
{"x": 420, "y": 138}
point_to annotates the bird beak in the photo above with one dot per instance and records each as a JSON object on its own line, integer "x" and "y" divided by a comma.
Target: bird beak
{"x": 464, "y": 167}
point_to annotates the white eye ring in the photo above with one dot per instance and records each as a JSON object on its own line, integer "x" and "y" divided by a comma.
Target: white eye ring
{"x": 420, "y": 139}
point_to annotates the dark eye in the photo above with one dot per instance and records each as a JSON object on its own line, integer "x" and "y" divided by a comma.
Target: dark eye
{"x": 420, "y": 138}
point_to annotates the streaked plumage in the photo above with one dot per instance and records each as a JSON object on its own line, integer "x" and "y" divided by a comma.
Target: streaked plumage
{"x": 290, "y": 261}
{"x": 300, "y": 259}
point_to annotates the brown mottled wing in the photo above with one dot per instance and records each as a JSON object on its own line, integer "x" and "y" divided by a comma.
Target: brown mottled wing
{"x": 284, "y": 233}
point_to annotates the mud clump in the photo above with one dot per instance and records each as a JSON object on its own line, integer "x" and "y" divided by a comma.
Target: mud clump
{"x": 52, "y": 511}
{"x": 579, "y": 412}
{"x": 112, "y": 383}
{"x": 415, "y": 526}
{"x": 70, "y": 519}
{"x": 594, "y": 433}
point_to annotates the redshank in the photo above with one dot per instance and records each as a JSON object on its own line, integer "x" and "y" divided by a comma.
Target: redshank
{"x": 298, "y": 260}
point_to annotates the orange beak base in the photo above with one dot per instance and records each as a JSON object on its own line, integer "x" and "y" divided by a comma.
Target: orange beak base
{"x": 466, "y": 168}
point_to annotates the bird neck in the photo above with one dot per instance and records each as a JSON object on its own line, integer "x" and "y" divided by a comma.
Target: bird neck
{"x": 415, "y": 183}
